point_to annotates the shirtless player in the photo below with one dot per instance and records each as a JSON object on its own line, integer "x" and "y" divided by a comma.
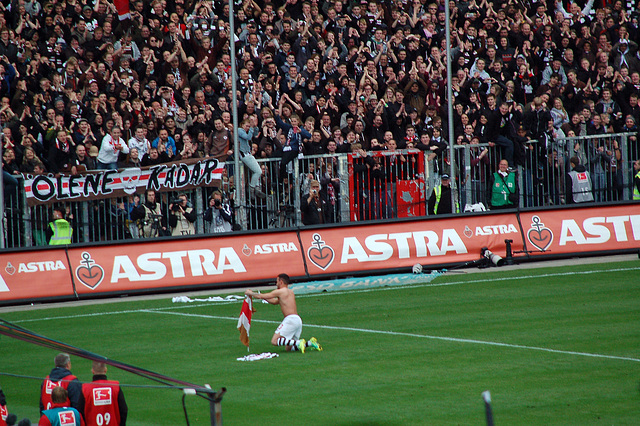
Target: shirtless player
{"x": 288, "y": 332}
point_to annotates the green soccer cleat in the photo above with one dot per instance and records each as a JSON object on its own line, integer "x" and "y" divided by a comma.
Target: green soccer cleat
{"x": 313, "y": 342}
{"x": 302, "y": 344}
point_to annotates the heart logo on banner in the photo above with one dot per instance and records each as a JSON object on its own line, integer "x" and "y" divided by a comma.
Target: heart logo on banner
{"x": 468, "y": 232}
{"x": 541, "y": 239}
{"x": 88, "y": 273}
{"x": 10, "y": 269}
{"x": 321, "y": 255}
{"x": 538, "y": 235}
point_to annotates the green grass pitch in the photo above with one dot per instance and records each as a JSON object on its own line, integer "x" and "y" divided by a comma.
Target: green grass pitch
{"x": 553, "y": 345}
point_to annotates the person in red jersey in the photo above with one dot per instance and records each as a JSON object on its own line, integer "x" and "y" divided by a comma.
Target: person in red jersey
{"x": 60, "y": 376}
{"x": 102, "y": 401}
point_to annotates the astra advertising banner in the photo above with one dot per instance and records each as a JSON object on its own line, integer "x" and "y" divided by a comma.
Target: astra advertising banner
{"x": 396, "y": 245}
{"x": 202, "y": 261}
{"x": 582, "y": 230}
{"x": 187, "y": 263}
{"x": 34, "y": 274}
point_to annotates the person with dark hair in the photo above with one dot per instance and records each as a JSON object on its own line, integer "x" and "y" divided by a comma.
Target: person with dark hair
{"x": 102, "y": 399}
{"x": 59, "y": 231}
{"x": 60, "y": 413}
{"x": 182, "y": 217}
{"x": 60, "y": 376}
{"x": 151, "y": 222}
{"x": 440, "y": 199}
{"x": 288, "y": 332}
{"x": 578, "y": 183}
{"x": 218, "y": 216}
{"x": 110, "y": 149}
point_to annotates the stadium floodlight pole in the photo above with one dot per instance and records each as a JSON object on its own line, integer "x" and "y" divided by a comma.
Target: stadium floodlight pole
{"x": 452, "y": 161}
{"x": 237, "y": 182}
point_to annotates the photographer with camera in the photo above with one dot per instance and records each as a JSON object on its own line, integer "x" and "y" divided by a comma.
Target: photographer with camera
{"x": 314, "y": 209}
{"x": 149, "y": 217}
{"x": 218, "y": 216}
{"x": 182, "y": 216}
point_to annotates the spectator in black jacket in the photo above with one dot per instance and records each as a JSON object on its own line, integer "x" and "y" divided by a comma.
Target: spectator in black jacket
{"x": 313, "y": 208}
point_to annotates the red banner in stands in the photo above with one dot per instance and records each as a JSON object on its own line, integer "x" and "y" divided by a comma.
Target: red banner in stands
{"x": 219, "y": 261}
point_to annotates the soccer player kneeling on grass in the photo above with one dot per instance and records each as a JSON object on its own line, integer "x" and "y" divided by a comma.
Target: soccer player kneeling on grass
{"x": 288, "y": 332}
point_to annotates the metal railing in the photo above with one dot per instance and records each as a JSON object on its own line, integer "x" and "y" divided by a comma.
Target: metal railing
{"x": 402, "y": 192}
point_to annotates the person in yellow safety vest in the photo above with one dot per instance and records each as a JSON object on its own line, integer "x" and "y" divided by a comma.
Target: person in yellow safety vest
{"x": 636, "y": 181}
{"x": 440, "y": 200}
{"x": 59, "y": 231}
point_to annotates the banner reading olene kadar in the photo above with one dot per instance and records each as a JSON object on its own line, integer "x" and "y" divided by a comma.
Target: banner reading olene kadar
{"x": 192, "y": 262}
{"x": 397, "y": 245}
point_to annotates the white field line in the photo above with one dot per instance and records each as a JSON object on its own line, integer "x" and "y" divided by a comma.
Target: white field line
{"x": 451, "y": 339}
{"x": 422, "y": 336}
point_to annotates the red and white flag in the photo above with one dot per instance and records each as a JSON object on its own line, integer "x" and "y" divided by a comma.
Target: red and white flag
{"x": 122, "y": 7}
{"x": 244, "y": 322}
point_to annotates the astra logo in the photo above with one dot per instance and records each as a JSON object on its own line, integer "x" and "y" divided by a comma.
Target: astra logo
{"x": 380, "y": 247}
{"x": 599, "y": 230}
{"x": 275, "y": 248}
{"x": 153, "y": 267}
{"x": 48, "y": 265}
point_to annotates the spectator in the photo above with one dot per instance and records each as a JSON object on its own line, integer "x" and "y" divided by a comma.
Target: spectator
{"x": 60, "y": 153}
{"x": 133, "y": 159}
{"x": 81, "y": 160}
{"x": 248, "y": 129}
{"x": 110, "y": 149}
{"x": 165, "y": 143}
{"x": 139, "y": 141}
{"x": 293, "y": 140}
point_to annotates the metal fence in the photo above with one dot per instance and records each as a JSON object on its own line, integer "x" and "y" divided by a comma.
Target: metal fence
{"x": 544, "y": 164}
{"x": 354, "y": 193}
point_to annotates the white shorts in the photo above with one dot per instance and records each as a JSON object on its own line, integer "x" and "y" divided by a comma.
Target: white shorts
{"x": 290, "y": 327}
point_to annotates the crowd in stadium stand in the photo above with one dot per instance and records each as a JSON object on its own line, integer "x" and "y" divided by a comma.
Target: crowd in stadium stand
{"x": 81, "y": 89}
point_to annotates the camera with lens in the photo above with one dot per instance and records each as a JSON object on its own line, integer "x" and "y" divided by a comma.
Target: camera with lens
{"x": 176, "y": 204}
{"x": 287, "y": 209}
{"x": 314, "y": 191}
{"x": 217, "y": 203}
